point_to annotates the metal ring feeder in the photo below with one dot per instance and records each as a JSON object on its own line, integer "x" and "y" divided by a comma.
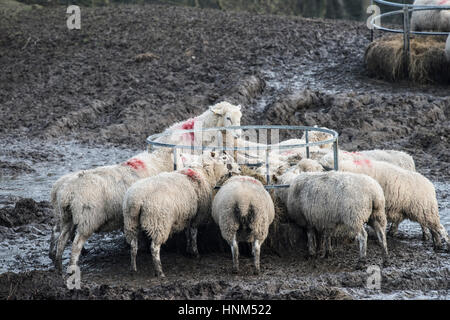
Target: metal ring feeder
{"x": 405, "y": 10}
{"x": 153, "y": 143}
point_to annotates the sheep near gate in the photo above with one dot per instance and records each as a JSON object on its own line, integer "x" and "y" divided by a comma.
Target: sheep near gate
{"x": 427, "y": 63}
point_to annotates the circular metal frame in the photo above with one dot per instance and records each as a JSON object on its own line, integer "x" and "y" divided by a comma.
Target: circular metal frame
{"x": 405, "y": 11}
{"x": 152, "y": 142}
{"x": 410, "y": 8}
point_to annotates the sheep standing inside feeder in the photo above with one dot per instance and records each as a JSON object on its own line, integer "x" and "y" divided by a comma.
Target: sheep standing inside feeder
{"x": 334, "y": 204}
{"x": 172, "y": 202}
{"x": 222, "y": 114}
{"x": 431, "y": 20}
{"x": 243, "y": 210}
{"x": 409, "y": 195}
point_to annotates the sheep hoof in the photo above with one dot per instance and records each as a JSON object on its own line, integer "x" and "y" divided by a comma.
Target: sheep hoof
{"x": 235, "y": 271}
{"x": 256, "y": 272}
{"x": 386, "y": 263}
{"x": 160, "y": 275}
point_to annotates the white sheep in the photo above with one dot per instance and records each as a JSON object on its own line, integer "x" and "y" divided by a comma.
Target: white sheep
{"x": 408, "y": 194}
{"x": 172, "y": 202}
{"x": 431, "y": 20}
{"x": 90, "y": 201}
{"x": 334, "y": 204}
{"x": 243, "y": 210}
{"x": 222, "y": 114}
{"x": 399, "y": 158}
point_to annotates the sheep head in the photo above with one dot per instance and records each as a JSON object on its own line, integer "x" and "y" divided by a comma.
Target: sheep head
{"x": 227, "y": 115}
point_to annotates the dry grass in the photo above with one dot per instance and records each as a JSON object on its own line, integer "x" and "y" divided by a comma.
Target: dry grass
{"x": 384, "y": 59}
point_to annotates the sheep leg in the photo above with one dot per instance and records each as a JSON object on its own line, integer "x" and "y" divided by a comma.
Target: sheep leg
{"x": 256, "y": 255}
{"x": 436, "y": 236}
{"x": 312, "y": 241}
{"x": 444, "y": 236}
{"x": 393, "y": 230}
{"x": 53, "y": 240}
{"x": 362, "y": 240}
{"x": 235, "y": 254}
{"x": 155, "y": 248}
{"x": 425, "y": 234}
{"x": 77, "y": 246}
{"x": 134, "y": 250}
{"x": 61, "y": 244}
{"x": 329, "y": 245}
{"x": 381, "y": 236}
{"x": 194, "y": 248}
{"x": 323, "y": 245}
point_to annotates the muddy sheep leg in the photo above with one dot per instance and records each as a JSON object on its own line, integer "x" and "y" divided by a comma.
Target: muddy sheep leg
{"x": 436, "y": 236}
{"x": 312, "y": 241}
{"x": 155, "y": 248}
{"x": 133, "y": 251}
{"x": 256, "y": 250}
{"x": 381, "y": 236}
{"x": 53, "y": 239}
{"x": 329, "y": 245}
{"x": 235, "y": 254}
{"x": 77, "y": 246}
{"x": 66, "y": 231}
{"x": 194, "y": 248}
{"x": 444, "y": 235}
{"x": 393, "y": 230}
{"x": 361, "y": 237}
{"x": 426, "y": 236}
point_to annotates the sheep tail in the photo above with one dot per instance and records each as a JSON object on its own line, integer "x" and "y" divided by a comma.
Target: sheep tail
{"x": 245, "y": 220}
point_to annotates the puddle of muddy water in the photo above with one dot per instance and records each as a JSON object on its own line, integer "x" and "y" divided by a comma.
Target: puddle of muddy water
{"x": 61, "y": 158}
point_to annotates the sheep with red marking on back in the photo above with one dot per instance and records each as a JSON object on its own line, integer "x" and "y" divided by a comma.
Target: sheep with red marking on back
{"x": 243, "y": 210}
{"x": 222, "y": 114}
{"x": 398, "y": 158}
{"x": 172, "y": 202}
{"x": 408, "y": 194}
{"x": 90, "y": 201}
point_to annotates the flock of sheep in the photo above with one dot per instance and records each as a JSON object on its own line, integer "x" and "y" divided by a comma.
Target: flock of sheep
{"x": 146, "y": 194}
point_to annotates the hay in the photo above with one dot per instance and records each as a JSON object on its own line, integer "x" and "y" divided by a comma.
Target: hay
{"x": 427, "y": 63}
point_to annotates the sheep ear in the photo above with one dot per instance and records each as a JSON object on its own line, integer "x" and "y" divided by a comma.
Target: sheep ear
{"x": 217, "y": 109}
{"x": 239, "y": 107}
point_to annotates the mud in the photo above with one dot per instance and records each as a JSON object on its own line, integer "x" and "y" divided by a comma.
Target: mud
{"x": 81, "y": 99}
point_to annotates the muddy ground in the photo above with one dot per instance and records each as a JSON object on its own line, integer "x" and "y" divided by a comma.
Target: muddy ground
{"x": 78, "y": 99}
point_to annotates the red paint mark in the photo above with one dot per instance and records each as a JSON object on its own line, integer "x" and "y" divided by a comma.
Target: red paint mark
{"x": 136, "y": 164}
{"x": 189, "y": 125}
{"x": 248, "y": 179}
{"x": 363, "y": 162}
{"x": 287, "y": 153}
{"x": 444, "y": 2}
{"x": 191, "y": 174}
{"x": 356, "y": 153}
